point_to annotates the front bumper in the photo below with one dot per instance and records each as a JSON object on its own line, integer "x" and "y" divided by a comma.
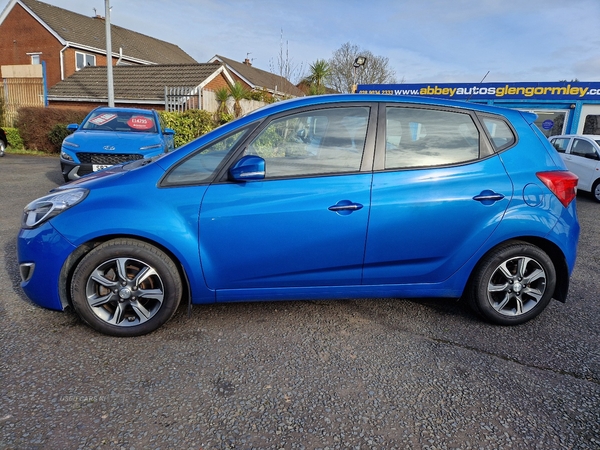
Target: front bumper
{"x": 41, "y": 254}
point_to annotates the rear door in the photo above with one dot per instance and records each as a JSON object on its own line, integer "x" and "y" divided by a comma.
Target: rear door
{"x": 439, "y": 193}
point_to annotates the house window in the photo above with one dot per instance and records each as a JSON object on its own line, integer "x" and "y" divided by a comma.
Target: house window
{"x": 84, "y": 59}
{"x": 36, "y": 57}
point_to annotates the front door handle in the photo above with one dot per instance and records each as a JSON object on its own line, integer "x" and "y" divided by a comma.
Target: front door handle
{"x": 345, "y": 207}
{"x": 488, "y": 197}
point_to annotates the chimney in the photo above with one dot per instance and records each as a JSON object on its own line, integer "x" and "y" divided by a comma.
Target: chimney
{"x": 247, "y": 62}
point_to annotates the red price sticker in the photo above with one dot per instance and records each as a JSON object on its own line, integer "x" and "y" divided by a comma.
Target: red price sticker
{"x": 140, "y": 123}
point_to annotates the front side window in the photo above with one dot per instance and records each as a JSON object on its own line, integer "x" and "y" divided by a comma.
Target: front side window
{"x": 424, "y": 138}
{"x": 84, "y": 59}
{"x": 584, "y": 149}
{"x": 325, "y": 141}
{"x": 202, "y": 166}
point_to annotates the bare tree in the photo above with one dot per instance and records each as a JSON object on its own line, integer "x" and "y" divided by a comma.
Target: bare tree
{"x": 376, "y": 70}
{"x": 285, "y": 66}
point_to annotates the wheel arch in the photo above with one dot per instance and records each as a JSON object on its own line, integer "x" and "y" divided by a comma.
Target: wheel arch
{"x": 552, "y": 250}
{"x": 66, "y": 273}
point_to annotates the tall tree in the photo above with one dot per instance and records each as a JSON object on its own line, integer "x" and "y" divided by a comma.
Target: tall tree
{"x": 376, "y": 70}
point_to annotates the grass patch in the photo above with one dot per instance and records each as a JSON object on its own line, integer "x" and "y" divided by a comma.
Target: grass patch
{"x": 23, "y": 151}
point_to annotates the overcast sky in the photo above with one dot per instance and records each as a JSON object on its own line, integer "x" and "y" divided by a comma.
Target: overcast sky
{"x": 425, "y": 40}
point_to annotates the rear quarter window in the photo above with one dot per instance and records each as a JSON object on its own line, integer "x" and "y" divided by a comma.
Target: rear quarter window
{"x": 500, "y": 132}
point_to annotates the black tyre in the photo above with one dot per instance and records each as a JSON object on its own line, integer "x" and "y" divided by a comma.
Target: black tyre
{"x": 512, "y": 284}
{"x": 596, "y": 190}
{"x": 2, "y": 148}
{"x": 126, "y": 288}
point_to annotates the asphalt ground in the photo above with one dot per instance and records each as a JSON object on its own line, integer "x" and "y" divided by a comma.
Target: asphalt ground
{"x": 369, "y": 373}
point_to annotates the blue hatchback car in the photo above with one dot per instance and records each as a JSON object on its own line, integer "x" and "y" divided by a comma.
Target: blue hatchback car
{"x": 109, "y": 136}
{"x": 345, "y": 196}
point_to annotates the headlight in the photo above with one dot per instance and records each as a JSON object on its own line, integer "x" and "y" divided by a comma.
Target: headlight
{"x": 150, "y": 147}
{"x": 70, "y": 144}
{"x": 66, "y": 156}
{"x": 51, "y": 205}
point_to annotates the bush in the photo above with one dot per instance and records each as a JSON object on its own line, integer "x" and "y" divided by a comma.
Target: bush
{"x": 188, "y": 125}
{"x": 39, "y": 129}
{"x": 14, "y": 138}
{"x": 57, "y": 134}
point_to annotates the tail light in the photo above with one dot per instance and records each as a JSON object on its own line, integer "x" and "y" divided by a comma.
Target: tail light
{"x": 562, "y": 183}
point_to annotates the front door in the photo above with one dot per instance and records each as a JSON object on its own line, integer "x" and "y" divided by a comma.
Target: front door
{"x": 305, "y": 223}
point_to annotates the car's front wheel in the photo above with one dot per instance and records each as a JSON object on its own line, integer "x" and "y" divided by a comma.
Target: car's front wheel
{"x": 512, "y": 284}
{"x": 126, "y": 287}
{"x": 2, "y": 148}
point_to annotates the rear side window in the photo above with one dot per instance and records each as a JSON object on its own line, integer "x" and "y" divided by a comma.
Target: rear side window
{"x": 500, "y": 132}
{"x": 424, "y": 138}
{"x": 560, "y": 144}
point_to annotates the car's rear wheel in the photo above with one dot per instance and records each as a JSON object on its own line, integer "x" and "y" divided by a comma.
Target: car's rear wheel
{"x": 126, "y": 287}
{"x": 512, "y": 284}
{"x": 2, "y": 148}
{"x": 596, "y": 190}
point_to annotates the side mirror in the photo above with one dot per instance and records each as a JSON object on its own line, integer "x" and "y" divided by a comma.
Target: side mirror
{"x": 250, "y": 167}
{"x": 169, "y": 132}
{"x": 72, "y": 127}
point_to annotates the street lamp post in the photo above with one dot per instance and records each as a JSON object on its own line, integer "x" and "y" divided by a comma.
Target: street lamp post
{"x": 109, "y": 71}
{"x": 358, "y": 62}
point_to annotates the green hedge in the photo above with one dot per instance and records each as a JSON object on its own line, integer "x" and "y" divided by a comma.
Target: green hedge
{"x": 14, "y": 138}
{"x": 43, "y": 129}
{"x": 188, "y": 125}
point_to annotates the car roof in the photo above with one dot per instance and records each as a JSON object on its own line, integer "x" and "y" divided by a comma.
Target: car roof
{"x": 119, "y": 109}
{"x": 332, "y": 99}
{"x": 589, "y": 136}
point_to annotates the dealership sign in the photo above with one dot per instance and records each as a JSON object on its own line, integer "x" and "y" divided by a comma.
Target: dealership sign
{"x": 490, "y": 91}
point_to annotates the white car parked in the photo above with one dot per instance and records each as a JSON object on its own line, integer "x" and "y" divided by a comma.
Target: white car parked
{"x": 581, "y": 154}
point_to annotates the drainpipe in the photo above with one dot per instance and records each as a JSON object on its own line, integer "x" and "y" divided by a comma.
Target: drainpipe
{"x": 62, "y": 62}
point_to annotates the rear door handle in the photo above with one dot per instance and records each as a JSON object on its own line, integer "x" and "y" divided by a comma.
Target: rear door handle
{"x": 488, "y": 197}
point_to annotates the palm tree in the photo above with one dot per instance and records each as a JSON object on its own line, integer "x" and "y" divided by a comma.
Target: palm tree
{"x": 238, "y": 92}
{"x": 319, "y": 72}
{"x": 222, "y": 94}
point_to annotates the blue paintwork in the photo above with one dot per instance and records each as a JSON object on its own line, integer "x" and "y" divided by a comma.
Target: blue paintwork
{"x": 404, "y": 233}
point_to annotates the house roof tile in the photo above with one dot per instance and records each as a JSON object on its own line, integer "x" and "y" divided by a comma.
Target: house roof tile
{"x": 261, "y": 78}
{"x": 143, "y": 83}
{"x": 90, "y": 32}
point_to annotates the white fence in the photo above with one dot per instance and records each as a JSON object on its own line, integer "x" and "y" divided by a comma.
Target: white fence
{"x": 184, "y": 98}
